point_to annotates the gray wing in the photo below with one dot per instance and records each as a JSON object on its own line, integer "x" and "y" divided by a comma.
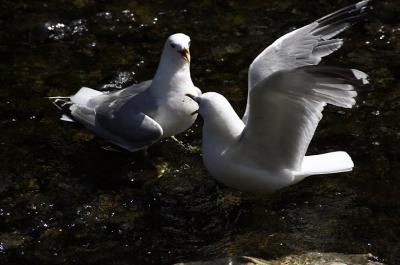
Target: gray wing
{"x": 286, "y": 107}
{"x": 122, "y": 117}
{"x": 304, "y": 46}
{"x": 134, "y": 89}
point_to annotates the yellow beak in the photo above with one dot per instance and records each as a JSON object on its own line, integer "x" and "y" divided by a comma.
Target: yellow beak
{"x": 190, "y": 96}
{"x": 186, "y": 54}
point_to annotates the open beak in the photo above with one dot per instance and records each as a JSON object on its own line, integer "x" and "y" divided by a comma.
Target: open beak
{"x": 193, "y": 98}
{"x": 185, "y": 54}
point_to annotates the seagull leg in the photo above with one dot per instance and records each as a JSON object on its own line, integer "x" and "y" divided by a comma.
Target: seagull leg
{"x": 180, "y": 143}
{"x": 161, "y": 166}
{"x": 146, "y": 153}
{"x": 186, "y": 147}
{"x": 110, "y": 148}
{"x": 250, "y": 260}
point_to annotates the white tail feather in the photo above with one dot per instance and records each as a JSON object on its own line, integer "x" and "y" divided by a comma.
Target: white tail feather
{"x": 66, "y": 118}
{"x": 334, "y": 162}
{"x": 83, "y": 96}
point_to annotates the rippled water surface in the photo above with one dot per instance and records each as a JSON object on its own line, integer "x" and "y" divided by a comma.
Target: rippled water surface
{"x": 64, "y": 199}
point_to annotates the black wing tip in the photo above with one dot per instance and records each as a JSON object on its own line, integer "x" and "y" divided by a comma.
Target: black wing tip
{"x": 362, "y": 4}
{"x": 358, "y": 10}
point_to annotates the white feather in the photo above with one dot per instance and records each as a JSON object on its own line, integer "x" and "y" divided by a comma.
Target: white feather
{"x": 84, "y": 95}
{"x": 139, "y": 115}
{"x": 66, "y": 118}
{"x": 286, "y": 95}
{"x": 334, "y": 162}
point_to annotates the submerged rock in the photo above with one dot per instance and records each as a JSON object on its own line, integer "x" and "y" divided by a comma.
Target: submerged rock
{"x": 303, "y": 259}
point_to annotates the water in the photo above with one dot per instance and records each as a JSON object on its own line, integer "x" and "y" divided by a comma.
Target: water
{"x": 63, "y": 199}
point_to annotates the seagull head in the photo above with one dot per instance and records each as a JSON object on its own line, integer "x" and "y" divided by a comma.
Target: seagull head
{"x": 210, "y": 104}
{"x": 177, "y": 46}
{"x": 218, "y": 114}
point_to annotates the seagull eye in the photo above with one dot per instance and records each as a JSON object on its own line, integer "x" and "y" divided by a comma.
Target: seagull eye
{"x": 173, "y": 45}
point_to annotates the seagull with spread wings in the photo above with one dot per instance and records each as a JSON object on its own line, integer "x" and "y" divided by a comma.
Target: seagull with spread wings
{"x": 287, "y": 91}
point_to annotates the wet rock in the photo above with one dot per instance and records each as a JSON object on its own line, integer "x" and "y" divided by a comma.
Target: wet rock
{"x": 303, "y": 259}
{"x": 10, "y": 240}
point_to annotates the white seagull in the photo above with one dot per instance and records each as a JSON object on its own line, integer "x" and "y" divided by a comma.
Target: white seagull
{"x": 265, "y": 150}
{"x": 140, "y": 115}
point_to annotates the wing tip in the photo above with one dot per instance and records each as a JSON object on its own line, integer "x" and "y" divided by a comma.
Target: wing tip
{"x": 361, "y": 76}
{"x": 340, "y": 20}
{"x": 350, "y": 10}
{"x": 337, "y": 84}
{"x": 67, "y": 118}
{"x": 362, "y": 4}
{"x": 64, "y": 104}
{"x": 59, "y": 102}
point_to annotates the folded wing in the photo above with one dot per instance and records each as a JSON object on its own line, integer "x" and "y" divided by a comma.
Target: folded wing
{"x": 285, "y": 108}
{"x": 127, "y": 122}
{"x": 122, "y": 117}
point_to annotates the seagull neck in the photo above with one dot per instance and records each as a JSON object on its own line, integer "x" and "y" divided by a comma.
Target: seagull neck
{"x": 226, "y": 129}
{"x": 171, "y": 75}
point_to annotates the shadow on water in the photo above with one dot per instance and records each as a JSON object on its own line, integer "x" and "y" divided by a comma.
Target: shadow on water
{"x": 63, "y": 199}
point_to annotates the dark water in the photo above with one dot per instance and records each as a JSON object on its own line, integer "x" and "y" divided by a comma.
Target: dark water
{"x": 63, "y": 199}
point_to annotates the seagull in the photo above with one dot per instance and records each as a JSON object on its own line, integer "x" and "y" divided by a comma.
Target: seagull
{"x": 287, "y": 91}
{"x": 139, "y": 115}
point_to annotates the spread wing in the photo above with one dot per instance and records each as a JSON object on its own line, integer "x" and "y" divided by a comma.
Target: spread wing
{"x": 286, "y": 107}
{"x": 304, "y": 46}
